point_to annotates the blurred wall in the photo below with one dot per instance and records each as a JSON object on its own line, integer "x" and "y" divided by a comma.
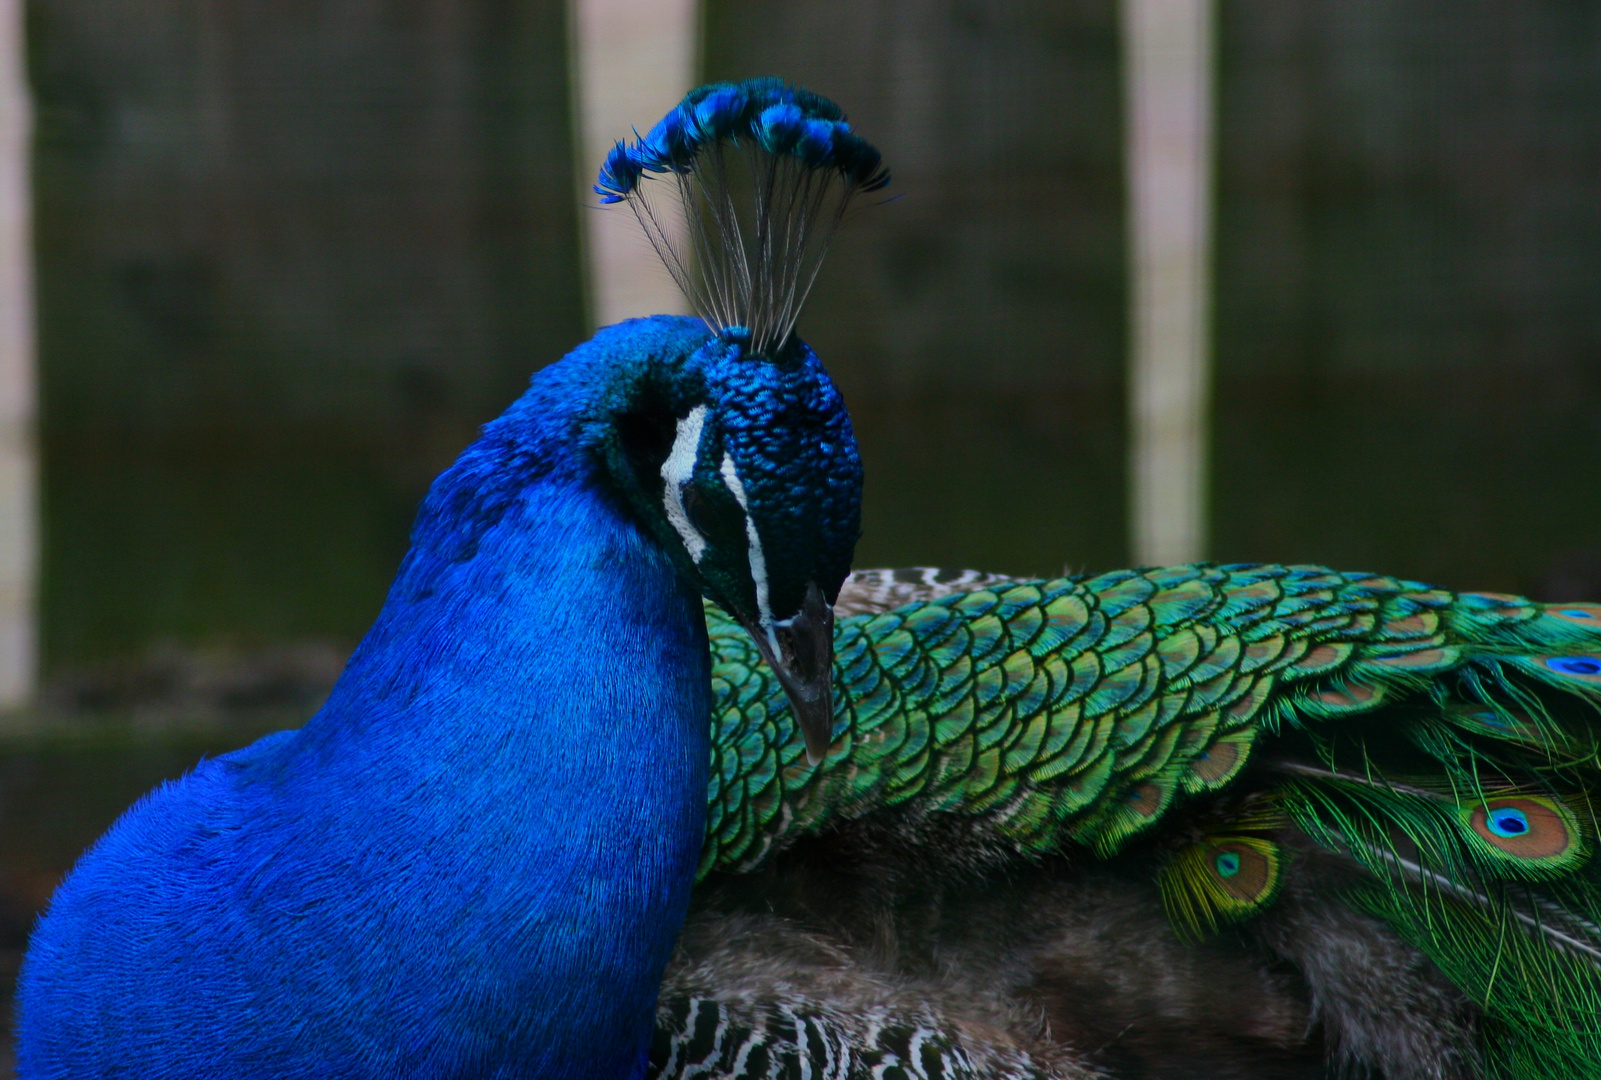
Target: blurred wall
{"x": 976, "y": 323}
{"x": 1408, "y": 332}
{"x": 290, "y": 254}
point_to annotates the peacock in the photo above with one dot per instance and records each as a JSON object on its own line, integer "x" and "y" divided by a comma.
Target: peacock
{"x": 1199, "y": 821}
{"x": 1202, "y": 821}
{"x": 1219, "y": 821}
{"x": 474, "y": 861}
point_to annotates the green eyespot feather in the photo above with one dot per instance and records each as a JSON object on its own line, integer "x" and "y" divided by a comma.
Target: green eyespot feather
{"x": 1535, "y": 832}
{"x": 1221, "y": 879}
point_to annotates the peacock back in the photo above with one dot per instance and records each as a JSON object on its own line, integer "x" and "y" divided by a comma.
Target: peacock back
{"x": 1228, "y": 723}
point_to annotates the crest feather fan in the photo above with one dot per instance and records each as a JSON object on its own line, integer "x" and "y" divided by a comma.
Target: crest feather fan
{"x": 740, "y": 189}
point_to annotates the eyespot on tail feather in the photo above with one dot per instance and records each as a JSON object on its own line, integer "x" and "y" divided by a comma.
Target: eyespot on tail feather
{"x": 1534, "y": 831}
{"x": 1220, "y": 879}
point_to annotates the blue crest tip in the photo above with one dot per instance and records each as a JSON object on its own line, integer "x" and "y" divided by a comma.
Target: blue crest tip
{"x": 783, "y": 120}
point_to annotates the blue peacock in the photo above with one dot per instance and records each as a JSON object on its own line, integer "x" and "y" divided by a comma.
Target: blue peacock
{"x": 1198, "y": 821}
{"x": 474, "y": 861}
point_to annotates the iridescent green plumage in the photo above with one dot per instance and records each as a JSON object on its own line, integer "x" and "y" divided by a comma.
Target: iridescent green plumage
{"x": 1078, "y": 710}
{"x": 1443, "y": 743}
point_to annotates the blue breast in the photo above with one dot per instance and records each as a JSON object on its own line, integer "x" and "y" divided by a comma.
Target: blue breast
{"x": 472, "y": 862}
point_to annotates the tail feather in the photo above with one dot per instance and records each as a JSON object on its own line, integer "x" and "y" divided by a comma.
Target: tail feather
{"x": 1493, "y": 884}
{"x": 1527, "y": 962}
{"x": 1444, "y": 745}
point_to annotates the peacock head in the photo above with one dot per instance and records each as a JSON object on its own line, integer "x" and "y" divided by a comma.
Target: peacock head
{"x": 746, "y": 467}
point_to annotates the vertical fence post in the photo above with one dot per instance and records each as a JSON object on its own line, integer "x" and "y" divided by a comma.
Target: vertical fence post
{"x": 631, "y": 61}
{"x": 19, "y": 527}
{"x": 1168, "y": 103}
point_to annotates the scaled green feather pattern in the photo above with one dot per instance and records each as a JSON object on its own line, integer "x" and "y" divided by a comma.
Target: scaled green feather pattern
{"x": 1441, "y": 748}
{"x": 1078, "y": 710}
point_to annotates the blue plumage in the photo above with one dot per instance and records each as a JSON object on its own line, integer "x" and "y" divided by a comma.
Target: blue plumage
{"x": 783, "y": 120}
{"x": 1574, "y": 665}
{"x": 473, "y": 862}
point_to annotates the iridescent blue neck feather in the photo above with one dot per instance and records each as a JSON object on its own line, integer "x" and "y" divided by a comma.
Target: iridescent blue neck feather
{"x": 474, "y": 861}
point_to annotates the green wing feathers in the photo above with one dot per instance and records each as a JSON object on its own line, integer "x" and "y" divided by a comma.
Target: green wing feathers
{"x": 1079, "y": 711}
{"x": 1442, "y": 744}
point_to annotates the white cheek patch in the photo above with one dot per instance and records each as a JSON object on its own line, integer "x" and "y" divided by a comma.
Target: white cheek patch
{"x": 676, "y": 472}
{"x": 758, "y": 561}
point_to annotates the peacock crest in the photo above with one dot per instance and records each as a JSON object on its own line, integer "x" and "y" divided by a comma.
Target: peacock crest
{"x": 759, "y": 174}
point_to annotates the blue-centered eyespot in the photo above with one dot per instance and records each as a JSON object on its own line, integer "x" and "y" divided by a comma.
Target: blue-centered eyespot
{"x": 1227, "y": 863}
{"x": 1574, "y": 665}
{"x": 1507, "y": 822}
{"x": 1535, "y": 830}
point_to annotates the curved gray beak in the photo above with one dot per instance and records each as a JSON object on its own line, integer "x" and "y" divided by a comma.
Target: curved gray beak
{"x": 804, "y": 664}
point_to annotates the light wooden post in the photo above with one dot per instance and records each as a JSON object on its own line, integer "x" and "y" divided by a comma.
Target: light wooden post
{"x": 19, "y": 527}
{"x": 631, "y": 61}
{"x": 1168, "y": 95}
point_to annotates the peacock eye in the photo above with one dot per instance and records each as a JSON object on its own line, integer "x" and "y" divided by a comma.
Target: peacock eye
{"x": 1508, "y": 822}
{"x": 695, "y": 509}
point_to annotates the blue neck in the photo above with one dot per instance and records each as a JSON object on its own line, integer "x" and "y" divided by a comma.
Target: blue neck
{"x": 475, "y": 860}
{"x": 539, "y": 682}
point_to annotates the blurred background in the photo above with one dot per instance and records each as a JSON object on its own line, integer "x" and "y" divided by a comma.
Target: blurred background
{"x": 287, "y": 256}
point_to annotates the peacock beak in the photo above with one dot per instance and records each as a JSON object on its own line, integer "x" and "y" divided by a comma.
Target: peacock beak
{"x": 800, "y": 650}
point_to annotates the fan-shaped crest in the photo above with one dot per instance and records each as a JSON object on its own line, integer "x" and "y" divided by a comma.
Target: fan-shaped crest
{"x": 761, "y": 173}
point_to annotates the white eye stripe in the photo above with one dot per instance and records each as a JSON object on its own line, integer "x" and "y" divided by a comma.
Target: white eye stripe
{"x": 758, "y": 559}
{"x": 676, "y": 472}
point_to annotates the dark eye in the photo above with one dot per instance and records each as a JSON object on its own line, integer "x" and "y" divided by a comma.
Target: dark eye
{"x": 695, "y": 507}
{"x": 646, "y": 437}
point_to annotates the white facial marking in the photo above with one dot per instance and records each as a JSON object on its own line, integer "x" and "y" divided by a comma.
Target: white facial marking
{"x": 676, "y": 472}
{"x": 758, "y": 561}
